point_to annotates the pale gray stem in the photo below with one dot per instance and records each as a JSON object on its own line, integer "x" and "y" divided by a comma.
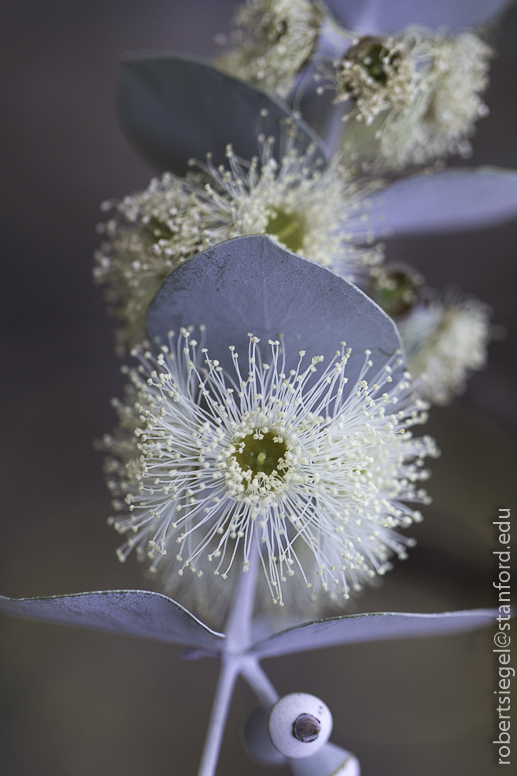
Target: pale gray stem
{"x": 259, "y": 682}
{"x": 238, "y": 626}
{"x": 223, "y": 697}
{"x": 238, "y": 639}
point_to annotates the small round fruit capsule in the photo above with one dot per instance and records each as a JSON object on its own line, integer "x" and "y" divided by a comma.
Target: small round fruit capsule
{"x": 299, "y": 724}
{"x": 331, "y": 760}
{"x": 256, "y": 739}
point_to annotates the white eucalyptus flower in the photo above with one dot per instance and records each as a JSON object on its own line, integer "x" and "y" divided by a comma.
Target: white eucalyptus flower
{"x": 416, "y": 95}
{"x": 378, "y": 74}
{"x": 318, "y": 214}
{"x": 445, "y": 341}
{"x": 272, "y": 42}
{"x": 205, "y": 464}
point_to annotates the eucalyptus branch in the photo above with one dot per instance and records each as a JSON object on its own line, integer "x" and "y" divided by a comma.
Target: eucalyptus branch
{"x": 258, "y": 680}
{"x": 223, "y": 697}
{"x": 238, "y": 639}
{"x": 238, "y": 626}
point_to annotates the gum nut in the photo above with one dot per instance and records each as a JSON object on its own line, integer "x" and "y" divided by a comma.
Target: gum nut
{"x": 256, "y": 740}
{"x": 331, "y": 760}
{"x": 299, "y": 724}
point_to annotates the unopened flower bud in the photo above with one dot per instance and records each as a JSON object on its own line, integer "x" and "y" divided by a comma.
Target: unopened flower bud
{"x": 299, "y": 725}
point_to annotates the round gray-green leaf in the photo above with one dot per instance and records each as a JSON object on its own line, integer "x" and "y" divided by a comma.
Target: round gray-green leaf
{"x": 252, "y": 285}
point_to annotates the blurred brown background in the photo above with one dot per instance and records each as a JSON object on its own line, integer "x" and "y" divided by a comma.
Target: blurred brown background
{"x": 76, "y": 703}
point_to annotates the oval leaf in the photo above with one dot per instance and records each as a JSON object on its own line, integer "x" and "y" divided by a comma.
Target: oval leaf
{"x": 251, "y": 284}
{"x": 174, "y": 107}
{"x": 353, "y": 628}
{"x": 378, "y": 16}
{"x": 447, "y": 201}
{"x": 135, "y": 612}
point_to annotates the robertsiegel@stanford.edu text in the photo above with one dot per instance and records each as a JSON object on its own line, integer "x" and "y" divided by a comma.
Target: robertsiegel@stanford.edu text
{"x": 505, "y": 672}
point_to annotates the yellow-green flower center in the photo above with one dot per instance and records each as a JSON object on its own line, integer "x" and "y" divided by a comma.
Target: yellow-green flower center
{"x": 397, "y": 290}
{"x": 159, "y": 230}
{"x": 375, "y": 57}
{"x": 261, "y": 452}
{"x": 373, "y": 61}
{"x": 288, "y": 228}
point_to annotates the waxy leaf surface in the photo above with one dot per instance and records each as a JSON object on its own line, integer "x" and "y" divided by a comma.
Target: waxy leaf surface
{"x": 173, "y": 107}
{"x": 251, "y": 284}
{"x": 353, "y": 628}
{"x": 134, "y": 612}
{"x": 447, "y": 201}
{"x": 378, "y": 16}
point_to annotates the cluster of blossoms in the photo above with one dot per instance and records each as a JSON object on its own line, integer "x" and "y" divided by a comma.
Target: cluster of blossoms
{"x": 415, "y": 95}
{"x": 305, "y": 465}
{"x": 419, "y": 91}
{"x": 446, "y": 340}
{"x": 319, "y": 214}
{"x": 206, "y": 463}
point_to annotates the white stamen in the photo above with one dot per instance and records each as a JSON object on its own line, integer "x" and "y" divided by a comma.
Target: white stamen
{"x": 425, "y": 104}
{"x": 272, "y": 42}
{"x": 445, "y": 341}
{"x": 318, "y": 215}
{"x": 339, "y": 471}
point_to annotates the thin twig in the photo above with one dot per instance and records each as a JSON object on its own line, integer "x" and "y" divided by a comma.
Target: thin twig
{"x": 223, "y": 697}
{"x": 238, "y": 639}
{"x": 259, "y": 682}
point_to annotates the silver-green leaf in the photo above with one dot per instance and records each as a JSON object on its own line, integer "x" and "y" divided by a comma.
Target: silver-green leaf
{"x": 174, "y": 107}
{"x": 134, "y": 612}
{"x": 251, "y": 284}
{"x": 448, "y": 201}
{"x": 353, "y": 628}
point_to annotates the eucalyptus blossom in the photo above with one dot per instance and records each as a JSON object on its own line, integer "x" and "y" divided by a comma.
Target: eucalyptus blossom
{"x": 446, "y": 339}
{"x": 416, "y": 95}
{"x": 415, "y": 76}
{"x": 208, "y": 464}
{"x": 272, "y": 42}
{"x": 317, "y": 213}
{"x": 445, "y": 336}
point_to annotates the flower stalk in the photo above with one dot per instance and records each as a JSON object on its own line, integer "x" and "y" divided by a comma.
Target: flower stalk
{"x": 235, "y": 662}
{"x": 238, "y": 628}
{"x": 223, "y": 697}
